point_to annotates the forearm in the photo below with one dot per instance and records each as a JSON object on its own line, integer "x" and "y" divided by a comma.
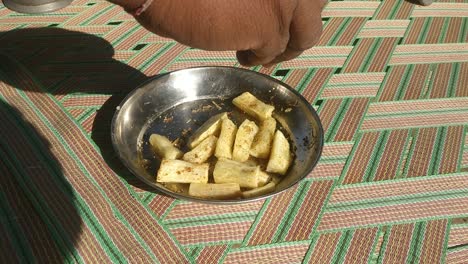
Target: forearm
{"x": 226, "y": 25}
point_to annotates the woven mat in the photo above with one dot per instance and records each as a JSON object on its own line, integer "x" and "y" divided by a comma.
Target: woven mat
{"x": 389, "y": 80}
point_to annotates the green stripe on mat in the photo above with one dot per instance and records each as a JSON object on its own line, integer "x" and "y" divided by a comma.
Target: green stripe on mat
{"x": 416, "y": 243}
{"x": 464, "y": 31}
{"x": 310, "y": 250}
{"x": 446, "y": 240}
{"x": 438, "y": 151}
{"x": 282, "y": 244}
{"x": 226, "y": 252}
{"x": 320, "y": 91}
{"x": 445, "y": 26}
{"x": 373, "y": 257}
{"x": 463, "y": 149}
{"x": 403, "y": 180}
{"x": 87, "y": 113}
{"x": 343, "y": 26}
{"x": 395, "y": 10}
{"x": 383, "y": 139}
{"x": 349, "y": 161}
{"x": 423, "y": 35}
{"x": 415, "y": 135}
{"x": 336, "y": 122}
{"x": 305, "y": 81}
{"x": 417, "y": 113}
{"x": 404, "y": 156}
{"x": 343, "y": 247}
{"x": 94, "y": 16}
{"x": 404, "y": 83}
{"x": 377, "y": 153}
{"x": 384, "y": 244}
{"x": 144, "y": 65}
{"x": 124, "y": 35}
{"x": 376, "y": 43}
{"x": 211, "y": 220}
{"x": 454, "y": 79}
{"x": 458, "y": 248}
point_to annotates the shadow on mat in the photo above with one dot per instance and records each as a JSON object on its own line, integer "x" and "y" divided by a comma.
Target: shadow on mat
{"x": 39, "y": 218}
{"x": 74, "y": 63}
{"x": 39, "y": 211}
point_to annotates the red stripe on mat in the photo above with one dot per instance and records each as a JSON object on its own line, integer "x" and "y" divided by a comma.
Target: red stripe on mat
{"x": 361, "y": 158}
{"x": 325, "y": 248}
{"x": 274, "y": 213}
{"x": 212, "y": 233}
{"x": 211, "y": 254}
{"x": 377, "y": 215}
{"x": 187, "y": 210}
{"x": 457, "y": 256}
{"x": 307, "y": 216}
{"x": 433, "y": 244}
{"x": 399, "y": 244}
{"x": 360, "y": 249}
{"x": 276, "y": 253}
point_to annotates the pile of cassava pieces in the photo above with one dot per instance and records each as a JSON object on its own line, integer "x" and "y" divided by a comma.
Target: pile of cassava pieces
{"x": 248, "y": 160}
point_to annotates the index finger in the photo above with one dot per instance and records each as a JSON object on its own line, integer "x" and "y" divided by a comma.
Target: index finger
{"x": 305, "y": 29}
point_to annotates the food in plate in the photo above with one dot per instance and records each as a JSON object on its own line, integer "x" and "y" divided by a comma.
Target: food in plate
{"x": 230, "y": 171}
{"x": 250, "y": 104}
{"x": 226, "y": 161}
{"x": 263, "y": 178}
{"x": 211, "y": 127}
{"x": 226, "y": 139}
{"x": 262, "y": 143}
{"x": 182, "y": 172}
{"x": 202, "y": 152}
{"x": 163, "y": 147}
{"x": 244, "y": 139}
{"x": 215, "y": 190}
{"x": 269, "y": 187}
{"x": 280, "y": 157}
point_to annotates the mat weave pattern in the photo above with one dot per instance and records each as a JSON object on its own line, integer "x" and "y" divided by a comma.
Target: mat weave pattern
{"x": 388, "y": 79}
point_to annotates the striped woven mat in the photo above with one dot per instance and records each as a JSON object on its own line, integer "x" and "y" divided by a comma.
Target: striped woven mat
{"x": 388, "y": 79}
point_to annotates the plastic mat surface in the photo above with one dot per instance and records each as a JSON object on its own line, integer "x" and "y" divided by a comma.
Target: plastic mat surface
{"x": 388, "y": 79}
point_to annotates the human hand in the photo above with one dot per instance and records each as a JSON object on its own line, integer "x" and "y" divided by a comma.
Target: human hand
{"x": 263, "y": 32}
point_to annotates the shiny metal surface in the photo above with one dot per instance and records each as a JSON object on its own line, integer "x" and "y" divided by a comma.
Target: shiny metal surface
{"x": 35, "y": 6}
{"x": 181, "y": 100}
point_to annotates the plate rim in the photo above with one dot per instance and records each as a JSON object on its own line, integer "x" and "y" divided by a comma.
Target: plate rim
{"x": 218, "y": 201}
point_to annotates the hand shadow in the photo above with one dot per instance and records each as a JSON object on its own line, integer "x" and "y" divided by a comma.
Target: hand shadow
{"x": 74, "y": 63}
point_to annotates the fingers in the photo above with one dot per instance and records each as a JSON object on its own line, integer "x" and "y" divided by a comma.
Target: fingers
{"x": 260, "y": 56}
{"x": 300, "y": 30}
{"x": 305, "y": 30}
{"x": 306, "y": 26}
{"x": 288, "y": 54}
{"x": 274, "y": 36}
